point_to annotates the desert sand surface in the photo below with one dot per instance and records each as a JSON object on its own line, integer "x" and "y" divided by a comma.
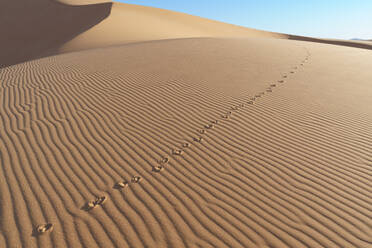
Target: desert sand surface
{"x": 246, "y": 141}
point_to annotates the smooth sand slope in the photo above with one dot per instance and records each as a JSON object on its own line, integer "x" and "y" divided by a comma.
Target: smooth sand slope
{"x": 238, "y": 143}
{"x": 131, "y": 23}
{"x": 39, "y": 28}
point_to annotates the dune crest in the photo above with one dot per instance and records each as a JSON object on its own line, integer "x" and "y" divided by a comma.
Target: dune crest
{"x": 82, "y": 2}
{"x": 48, "y": 27}
{"x": 130, "y": 23}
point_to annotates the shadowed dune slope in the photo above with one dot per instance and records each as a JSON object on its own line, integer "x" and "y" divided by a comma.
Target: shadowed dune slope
{"x": 238, "y": 143}
{"x": 37, "y": 28}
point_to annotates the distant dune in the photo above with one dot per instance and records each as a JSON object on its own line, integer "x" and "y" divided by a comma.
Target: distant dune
{"x": 350, "y": 43}
{"x": 160, "y": 129}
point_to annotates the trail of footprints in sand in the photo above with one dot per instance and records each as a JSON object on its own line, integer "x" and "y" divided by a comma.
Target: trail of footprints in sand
{"x": 161, "y": 164}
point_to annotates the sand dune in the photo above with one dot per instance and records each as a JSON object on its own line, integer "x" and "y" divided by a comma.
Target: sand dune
{"x": 44, "y": 27}
{"x": 132, "y": 23}
{"x": 161, "y": 129}
{"x": 238, "y": 143}
{"x": 48, "y": 27}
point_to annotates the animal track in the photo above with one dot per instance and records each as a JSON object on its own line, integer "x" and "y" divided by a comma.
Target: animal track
{"x": 89, "y": 206}
{"x": 177, "y": 152}
{"x": 136, "y": 179}
{"x": 100, "y": 200}
{"x": 96, "y": 202}
{"x": 164, "y": 160}
{"x": 44, "y": 228}
{"x": 41, "y": 229}
{"x": 186, "y": 145}
{"x": 209, "y": 126}
{"x": 157, "y": 168}
{"x": 121, "y": 185}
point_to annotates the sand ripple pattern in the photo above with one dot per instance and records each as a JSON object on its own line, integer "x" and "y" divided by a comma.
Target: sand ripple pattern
{"x": 180, "y": 152}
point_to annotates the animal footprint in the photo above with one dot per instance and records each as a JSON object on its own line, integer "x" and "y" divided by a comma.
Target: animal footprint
{"x": 44, "y": 228}
{"x": 92, "y": 204}
{"x": 89, "y": 206}
{"x": 199, "y": 139}
{"x": 186, "y": 145}
{"x": 157, "y": 168}
{"x": 164, "y": 160}
{"x": 209, "y": 126}
{"x": 177, "y": 152}
{"x": 215, "y": 122}
{"x": 269, "y": 90}
{"x": 136, "y": 179}
{"x": 272, "y": 85}
{"x": 202, "y": 131}
{"x": 100, "y": 200}
{"x": 250, "y": 102}
{"x": 281, "y": 81}
{"x": 121, "y": 185}
{"x": 225, "y": 116}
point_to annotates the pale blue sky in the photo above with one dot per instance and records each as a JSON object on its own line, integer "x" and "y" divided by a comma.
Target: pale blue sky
{"x": 343, "y": 19}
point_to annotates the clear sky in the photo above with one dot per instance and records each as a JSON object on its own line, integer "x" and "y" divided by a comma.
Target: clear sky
{"x": 344, "y": 19}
